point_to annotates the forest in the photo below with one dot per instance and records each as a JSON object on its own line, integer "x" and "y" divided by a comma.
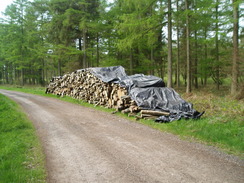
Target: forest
{"x": 188, "y": 43}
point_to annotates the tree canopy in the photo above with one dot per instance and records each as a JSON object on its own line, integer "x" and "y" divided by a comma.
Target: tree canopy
{"x": 186, "y": 42}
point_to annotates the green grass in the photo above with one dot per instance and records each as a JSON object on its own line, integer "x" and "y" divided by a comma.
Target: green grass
{"x": 21, "y": 157}
{"x": 222, "y": 125}
{"x": 228, "y": 136}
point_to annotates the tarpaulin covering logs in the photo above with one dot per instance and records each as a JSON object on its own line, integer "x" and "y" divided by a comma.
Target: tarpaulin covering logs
{"x": 149, "y": 92}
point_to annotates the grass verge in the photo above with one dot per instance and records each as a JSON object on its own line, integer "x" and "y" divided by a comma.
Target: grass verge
{"x": 21, "y": 157}
{"x": 221, "y": 126}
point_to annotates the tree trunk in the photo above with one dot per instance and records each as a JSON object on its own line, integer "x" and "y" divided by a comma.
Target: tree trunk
{"x": 196, "y": 52}
{"x": 59, "y": 67}
{"x": 131, "y": 62}
{"x": 84, "y": 49}
{"x": 196, "y": 62}
{"x": 217, "y": 45}
{"x": 2, "y": 76}
{"x": 178, "y": 50}
{"x": 80, "y": 56}
{"x": 98, "y": 55}
{"x": 205, "y": 57}
{"x": 13, "y": 74}
{"x": 11, "y": 71}
{"x": 234, "y": 80}
{"x": 42, "y": 74}
{"x": 188, "y": 62}
{"x": 152, "y": 61}
{"x": 169, "y": 83}
{"x": 6, "y": 74}
{"x": 22, "y": 77}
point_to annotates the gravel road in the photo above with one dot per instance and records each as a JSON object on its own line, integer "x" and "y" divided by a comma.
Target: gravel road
{"x": 85, "y": 145}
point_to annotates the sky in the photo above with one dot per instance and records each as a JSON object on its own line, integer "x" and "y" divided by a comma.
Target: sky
{"x": 3, "y": 5}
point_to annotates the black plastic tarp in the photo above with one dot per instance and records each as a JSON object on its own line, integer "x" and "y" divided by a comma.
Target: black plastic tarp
{"x": 164, "y": 99}
{"x": 117, "y": 74}
{"x": 141, "y": 81}
{"x": 109, "y": 74}
{"x": 159, "y": 98}
{"x": 149, "y": 92}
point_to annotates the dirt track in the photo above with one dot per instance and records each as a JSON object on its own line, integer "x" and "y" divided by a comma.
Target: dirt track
{"x": 85, "y": 145}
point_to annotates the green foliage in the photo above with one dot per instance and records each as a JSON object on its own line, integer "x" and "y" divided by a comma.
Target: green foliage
{"x": 21, "y": 158}
{"x": 43, "y": 38}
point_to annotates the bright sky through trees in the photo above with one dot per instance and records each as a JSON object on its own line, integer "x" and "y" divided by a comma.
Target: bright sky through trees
{"x": 3, "y": 5}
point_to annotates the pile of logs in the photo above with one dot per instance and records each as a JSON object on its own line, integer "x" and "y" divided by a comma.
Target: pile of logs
{"x": 83, "y": 85}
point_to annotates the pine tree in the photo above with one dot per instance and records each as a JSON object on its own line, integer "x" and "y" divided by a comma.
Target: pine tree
{"x": 235, "y": 47}
{"x": 169, "y": 83}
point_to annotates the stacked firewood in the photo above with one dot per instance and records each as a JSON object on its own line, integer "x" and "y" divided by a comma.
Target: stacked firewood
{"x": 83, "y": 85}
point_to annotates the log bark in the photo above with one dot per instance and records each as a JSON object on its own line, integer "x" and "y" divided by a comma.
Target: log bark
{"x": 154, "y": 113}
